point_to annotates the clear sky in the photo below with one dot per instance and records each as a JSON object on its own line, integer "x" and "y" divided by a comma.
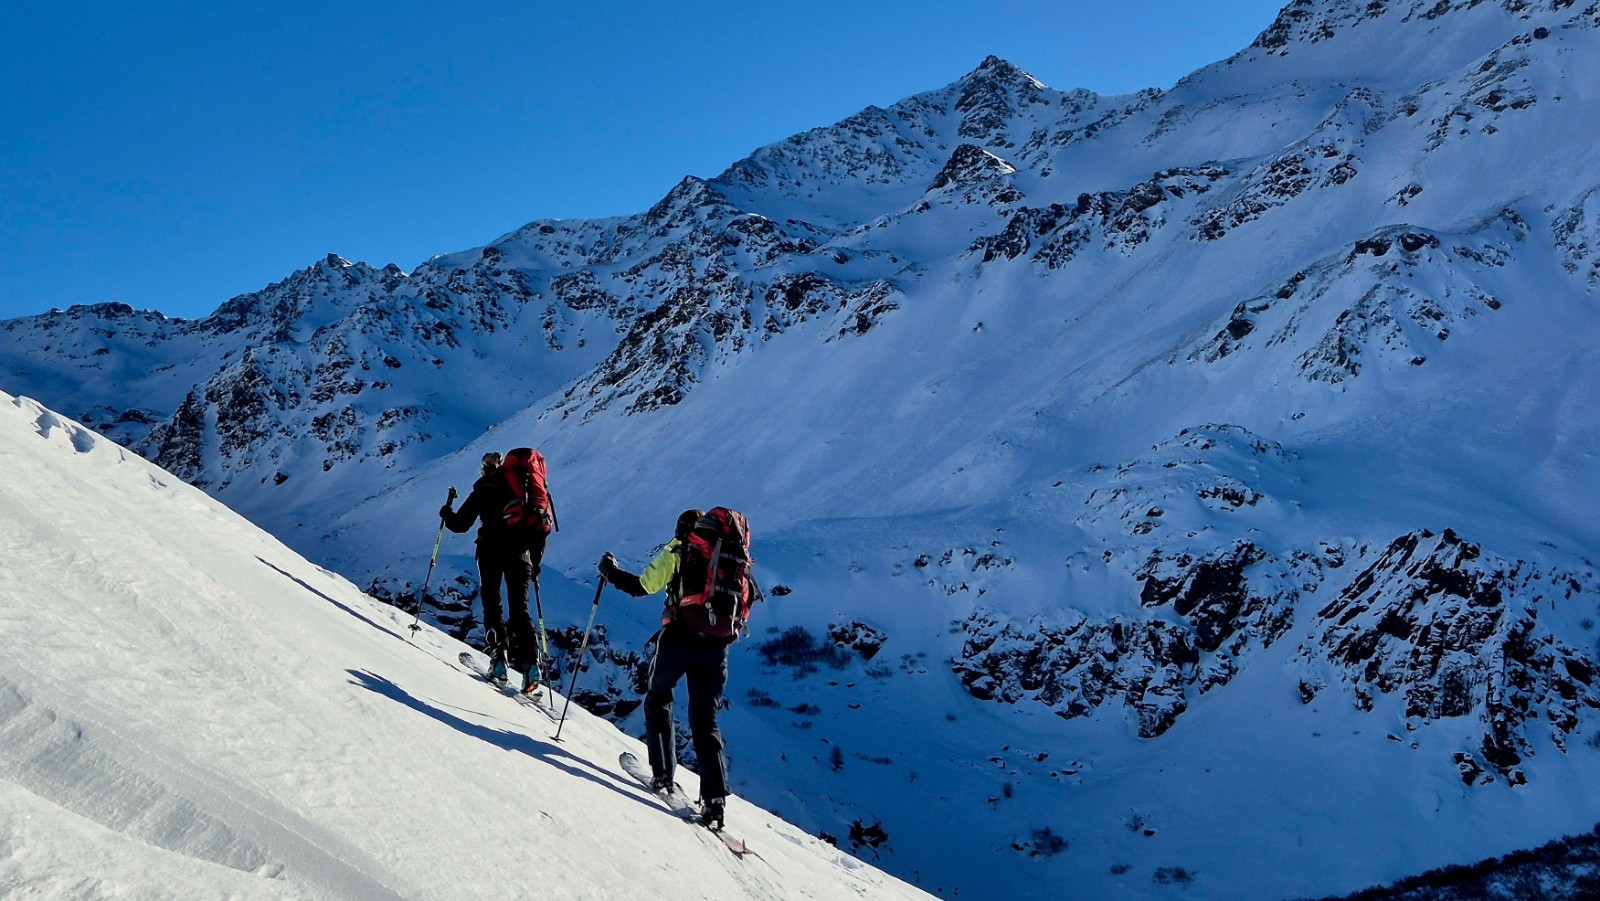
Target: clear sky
{"x": 171, "y": 155}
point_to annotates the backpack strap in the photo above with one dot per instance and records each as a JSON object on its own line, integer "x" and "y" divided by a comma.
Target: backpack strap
{"x": 675, "y": 588}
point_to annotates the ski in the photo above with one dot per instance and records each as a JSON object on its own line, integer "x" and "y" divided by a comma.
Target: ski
{"x": 674, "y": 799}
{"x": 678, "y": 804}
{"x": 538, "y": 699}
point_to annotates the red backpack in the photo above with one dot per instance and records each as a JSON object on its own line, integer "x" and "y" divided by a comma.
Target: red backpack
{"x": 715, "y": 588}
{"x": 530, "y": 503}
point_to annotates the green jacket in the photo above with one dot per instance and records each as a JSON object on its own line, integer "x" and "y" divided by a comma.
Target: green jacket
{"x": 660, "y": 575}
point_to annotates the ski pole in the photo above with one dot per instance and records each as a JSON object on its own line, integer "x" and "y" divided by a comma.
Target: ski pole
{"x": 544, "y": 643}
{"x": 434, "y": 558}
{"x": 579, "y": 663}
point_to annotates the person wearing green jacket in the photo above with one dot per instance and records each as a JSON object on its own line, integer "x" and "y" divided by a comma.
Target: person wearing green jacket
{"x": 681, "y": 652}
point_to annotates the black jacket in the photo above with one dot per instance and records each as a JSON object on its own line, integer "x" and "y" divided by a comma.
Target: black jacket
{"x": 487, "y": 504}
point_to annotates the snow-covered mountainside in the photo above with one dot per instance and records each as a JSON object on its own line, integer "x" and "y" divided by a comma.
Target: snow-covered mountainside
{"x": 188, "y": 709}
{"x": 1188, "y": 491}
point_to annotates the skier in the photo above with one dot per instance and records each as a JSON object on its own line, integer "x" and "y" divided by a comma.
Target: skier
{"x": 510, "y": 547}
{"x": 681, "y": 651}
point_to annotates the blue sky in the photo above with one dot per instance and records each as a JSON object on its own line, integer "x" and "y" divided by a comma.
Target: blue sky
{"x": 171, "y": 155}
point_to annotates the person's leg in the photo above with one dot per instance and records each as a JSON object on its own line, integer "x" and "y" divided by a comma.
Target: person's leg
{"x": 518, "y": 572}
{"x": 666, "y": 668}
{"x": 494, "y": 630}
{"x": 708, "y": 676}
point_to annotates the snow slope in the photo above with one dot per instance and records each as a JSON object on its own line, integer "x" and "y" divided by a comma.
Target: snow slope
{"x": 188, "y": 709}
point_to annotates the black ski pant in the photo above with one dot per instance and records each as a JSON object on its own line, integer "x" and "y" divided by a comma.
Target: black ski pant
{"x": 681, "y": 652}
{"x": 516, "y": 570}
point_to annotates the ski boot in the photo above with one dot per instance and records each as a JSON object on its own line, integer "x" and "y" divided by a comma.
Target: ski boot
{"x": 531, "y": 680}
{"x": 711, "y": 811}
{"x": 497, "y": 655}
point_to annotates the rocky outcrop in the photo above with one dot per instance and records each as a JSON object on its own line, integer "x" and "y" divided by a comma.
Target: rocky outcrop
{"x": 1576, "y": 233}
{"x": 1075, "y": 666}
{"x": 1236, "y": 600}
{"x": 1111, "y": 220}
{"x": 1413, "y": 290}
{"x": 1457, "y": 631}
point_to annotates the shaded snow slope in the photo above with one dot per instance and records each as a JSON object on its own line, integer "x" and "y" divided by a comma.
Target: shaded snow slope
{"x": 189, "y": 709}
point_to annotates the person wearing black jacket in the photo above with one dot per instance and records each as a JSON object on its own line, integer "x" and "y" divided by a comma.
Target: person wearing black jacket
{"x": 508, "y": 552}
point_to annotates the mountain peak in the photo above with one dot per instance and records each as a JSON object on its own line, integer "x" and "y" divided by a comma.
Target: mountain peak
{"x": 996, "y": 73}
{"x": 992, "y": 96}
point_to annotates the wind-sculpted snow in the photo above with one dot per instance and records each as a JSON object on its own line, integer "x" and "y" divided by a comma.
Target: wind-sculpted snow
{"x": 1325, "y": 159}
{"x": 1173, "y": 491}
{"x": 188, "y": 709}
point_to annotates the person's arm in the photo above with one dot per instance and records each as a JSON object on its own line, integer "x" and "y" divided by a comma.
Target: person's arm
{"x": 656, "y": 577}
{"x": 462, "y": 520}
{"x": 662, "y": 570}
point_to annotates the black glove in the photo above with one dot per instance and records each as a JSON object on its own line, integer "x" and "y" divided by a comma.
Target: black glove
{"x": 445, "y": 512}
{"x": 607, "y": 567}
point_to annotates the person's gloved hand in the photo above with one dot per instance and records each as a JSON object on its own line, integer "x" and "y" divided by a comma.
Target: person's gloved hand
{"x": 446, "y": 511}
{"x": 607, "y": 566}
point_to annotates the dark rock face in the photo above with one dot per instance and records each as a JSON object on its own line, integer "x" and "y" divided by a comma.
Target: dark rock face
{"x": 1457, "y": 631}
{"x": 1576, "y": 232}
{"x": 1116, "y": 220}
{"x": 970, "y": 165}
{"x": 1449, "y": 628}
{"x": 1212, "y": 594}
{"x": 866, "y": 640}
{"x": 1236, "y": 600}
{"x": 176, "y": 444}
{"x": 1076, "y": 667}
